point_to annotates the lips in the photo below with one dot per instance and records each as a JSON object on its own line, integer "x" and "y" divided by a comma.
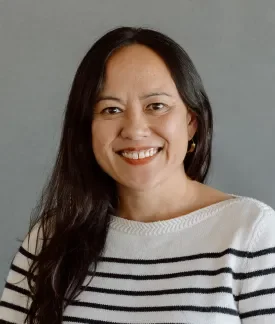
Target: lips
{"x": 140, "y": 155}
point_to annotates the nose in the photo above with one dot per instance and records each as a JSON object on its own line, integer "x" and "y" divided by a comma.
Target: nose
{"x": 135, "y": 127}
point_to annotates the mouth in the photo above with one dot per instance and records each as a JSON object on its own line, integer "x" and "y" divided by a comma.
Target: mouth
{"x": 136, "y": 155}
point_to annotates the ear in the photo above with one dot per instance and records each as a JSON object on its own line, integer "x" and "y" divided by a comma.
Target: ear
{"x": 192, "y": 124}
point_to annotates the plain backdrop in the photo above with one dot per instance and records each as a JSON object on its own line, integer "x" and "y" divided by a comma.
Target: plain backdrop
{"x": 232, "y": 44}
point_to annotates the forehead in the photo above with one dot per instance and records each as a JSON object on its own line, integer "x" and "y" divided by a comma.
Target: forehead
{"x": 137, "y": 66}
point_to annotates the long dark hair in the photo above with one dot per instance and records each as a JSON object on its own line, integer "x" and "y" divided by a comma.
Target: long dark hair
{"x": 74, "y": 211}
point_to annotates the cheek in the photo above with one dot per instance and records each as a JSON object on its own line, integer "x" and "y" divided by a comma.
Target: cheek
{"x": 103, "y": 135}
{"x": 174, "y": 131}
{"x": 98, "y": 138}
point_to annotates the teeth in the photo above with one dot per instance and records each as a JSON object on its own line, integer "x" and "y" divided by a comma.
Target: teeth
{"x": 140, "y": 154}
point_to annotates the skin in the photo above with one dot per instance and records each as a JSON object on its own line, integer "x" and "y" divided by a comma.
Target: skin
{"x": 139, "y": 117}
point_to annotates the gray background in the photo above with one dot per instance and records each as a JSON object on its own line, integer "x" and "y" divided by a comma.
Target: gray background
{"x": 232, "y": 44}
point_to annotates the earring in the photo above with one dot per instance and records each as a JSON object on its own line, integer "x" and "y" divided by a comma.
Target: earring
{"x": 192, "y": 148}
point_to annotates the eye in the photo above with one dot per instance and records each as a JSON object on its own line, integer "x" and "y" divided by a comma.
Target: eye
{"x": 157, "y": 107}
{"x": 111, "y": 111}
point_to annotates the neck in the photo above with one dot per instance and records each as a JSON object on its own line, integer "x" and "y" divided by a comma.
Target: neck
{"x": 171, "y": 198}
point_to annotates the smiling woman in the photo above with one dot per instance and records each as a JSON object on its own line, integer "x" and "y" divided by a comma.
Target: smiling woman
{"x": 126, "y": 230}
{"x": 139, "y": 114}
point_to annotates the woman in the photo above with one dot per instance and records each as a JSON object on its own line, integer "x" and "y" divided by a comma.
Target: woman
{"x": 126, "y": 231}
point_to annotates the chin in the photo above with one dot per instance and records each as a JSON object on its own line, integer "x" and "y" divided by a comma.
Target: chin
{"x": 139, "y": 184}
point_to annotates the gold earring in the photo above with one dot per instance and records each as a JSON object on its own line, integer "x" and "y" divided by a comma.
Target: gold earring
{"x": 192, "y": 148}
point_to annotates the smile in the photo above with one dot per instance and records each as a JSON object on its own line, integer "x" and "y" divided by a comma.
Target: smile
{"x": 138, "y": 155}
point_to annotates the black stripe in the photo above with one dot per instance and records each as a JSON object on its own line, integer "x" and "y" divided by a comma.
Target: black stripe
{"x": 210, "y": 255}
{"x": 236, "y": 275}
{"x": 257, "y": 273}
{"x": 255, "y": 293}
{"x": 260, "y": 253}
{"x": 26, "y": 253}
{"x": 258, "y": 312}
{"x": 6, "y": 322}
{"x": 17, "y": 289}
{"x": 14, "y": 307}
{"x": 165, "y": 276}
{"x": 20, "y": 270}
{"x": 159, "y": 292}
{"x": 92, "y": 321}
{"x": 214, "y": 309}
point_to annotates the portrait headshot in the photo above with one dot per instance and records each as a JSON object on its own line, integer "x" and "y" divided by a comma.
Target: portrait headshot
{"x": 137, "y": 169}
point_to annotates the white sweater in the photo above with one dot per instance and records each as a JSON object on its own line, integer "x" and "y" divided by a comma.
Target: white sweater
{"x": 212, "y": 266}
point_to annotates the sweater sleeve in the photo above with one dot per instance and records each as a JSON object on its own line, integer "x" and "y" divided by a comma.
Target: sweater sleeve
{"x": 257, "y": 297}
{"x": 14, "y": 301}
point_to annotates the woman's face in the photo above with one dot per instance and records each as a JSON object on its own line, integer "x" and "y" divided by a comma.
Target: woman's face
{"x": 141, "y": 127}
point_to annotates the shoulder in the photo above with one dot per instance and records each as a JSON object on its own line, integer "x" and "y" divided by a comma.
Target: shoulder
{"x": 233, "y": 205}
{"x": 253, "y": 208}
{"x": 250, "y": 217}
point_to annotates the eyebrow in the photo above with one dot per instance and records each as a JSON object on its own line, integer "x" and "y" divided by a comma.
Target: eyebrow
{"x": 148, "y": 95}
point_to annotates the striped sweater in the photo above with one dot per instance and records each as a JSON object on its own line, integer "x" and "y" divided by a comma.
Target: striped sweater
{"x": 213, "y": 266}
